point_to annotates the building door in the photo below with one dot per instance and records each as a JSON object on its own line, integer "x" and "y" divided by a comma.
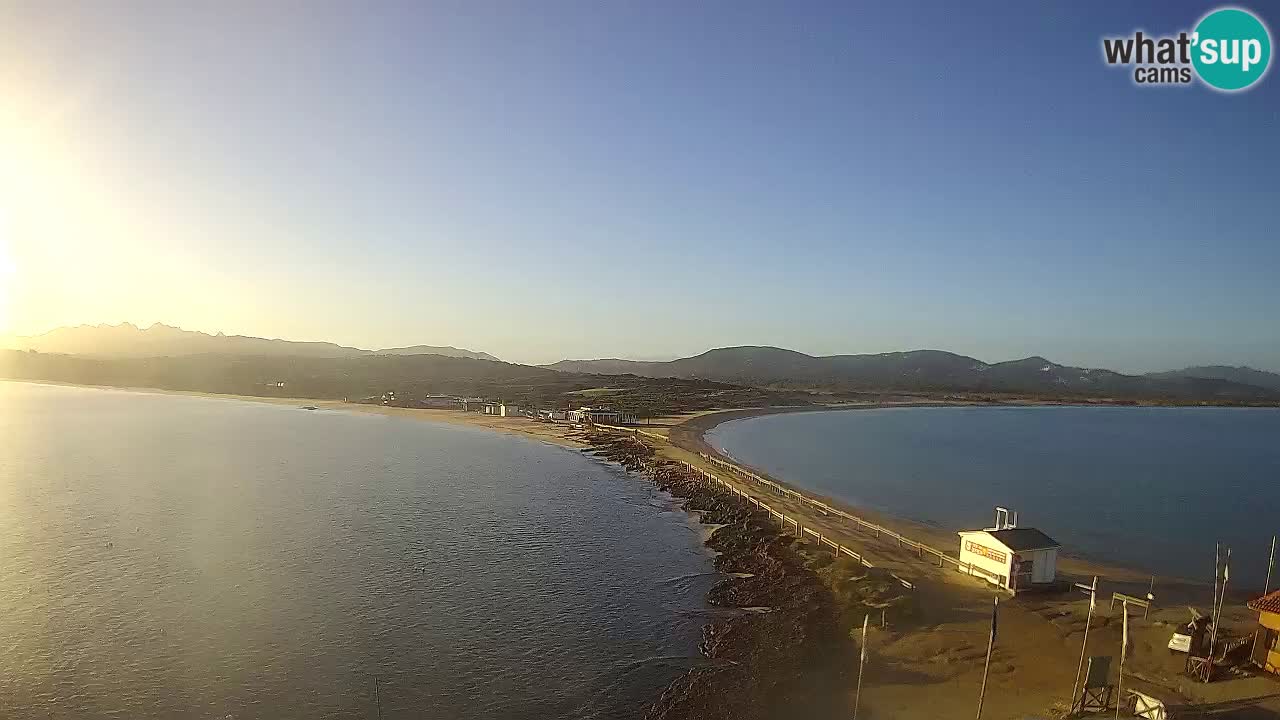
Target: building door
{"x": 1022, "y": 571}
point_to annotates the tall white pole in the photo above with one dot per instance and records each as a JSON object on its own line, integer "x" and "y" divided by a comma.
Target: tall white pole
{"x": 1075, "y": 689}
{"x": 1217, "y": 579}
{"x": 862, "y": 661}
{"x": 1270, "y": 564}
{"x": 991, "y": 643}
{"x": 1124, "y": 650}
{"x": 1213, "y": 636}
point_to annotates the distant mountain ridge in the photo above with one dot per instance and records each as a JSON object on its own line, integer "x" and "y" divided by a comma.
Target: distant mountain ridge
{"x": 922, "y": 370}
{"x": 128, "y": 340}
{"x": 1240, "y": 374}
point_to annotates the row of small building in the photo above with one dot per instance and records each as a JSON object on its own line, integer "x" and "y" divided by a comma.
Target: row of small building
{"x": 596, "y": 416}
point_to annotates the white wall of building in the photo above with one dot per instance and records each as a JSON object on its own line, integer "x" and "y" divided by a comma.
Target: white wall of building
{"x": 1045, "y": 568}
{"x": 970, "y": 543}
{"x": 977, "y": 548}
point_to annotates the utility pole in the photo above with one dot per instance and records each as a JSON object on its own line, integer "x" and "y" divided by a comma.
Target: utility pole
{"x": 1093, "y": 593}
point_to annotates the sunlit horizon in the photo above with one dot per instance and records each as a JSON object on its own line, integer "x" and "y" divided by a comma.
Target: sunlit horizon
{"x": 435, "y": 175}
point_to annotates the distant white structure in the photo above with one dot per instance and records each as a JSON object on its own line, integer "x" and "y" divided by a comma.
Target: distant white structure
{"x": 1008, "y": 556}
{"x": 509, "y": 410}
{"x": 601, "y": 417}
{"x": 440, "y": 401}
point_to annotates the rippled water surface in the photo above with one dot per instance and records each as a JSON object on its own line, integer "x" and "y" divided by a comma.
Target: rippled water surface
{"x": 168, "y": 557}
{"x": 1152, "y": 488}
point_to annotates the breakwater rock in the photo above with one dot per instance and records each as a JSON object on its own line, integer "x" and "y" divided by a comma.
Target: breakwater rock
{"x": 763, "y": 663}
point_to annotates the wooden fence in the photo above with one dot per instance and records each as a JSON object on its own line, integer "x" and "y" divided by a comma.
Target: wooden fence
{"x": 784, "y": 520}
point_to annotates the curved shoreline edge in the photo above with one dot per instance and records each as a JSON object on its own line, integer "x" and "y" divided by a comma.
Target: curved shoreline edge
{"x": 692, "y": 435}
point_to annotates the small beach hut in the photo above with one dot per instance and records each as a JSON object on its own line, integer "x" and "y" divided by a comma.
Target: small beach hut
{"x": 1008, "y": 556}
{"x": 1266, "y": 643}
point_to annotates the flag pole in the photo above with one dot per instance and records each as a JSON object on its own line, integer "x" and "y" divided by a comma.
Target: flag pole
{"x": 991, "y": 643}
{"x": 1217, "y": 579}
{"x": 862, "y": 660}
{"x": 1270, "y": 564}
{"x": 1213, "y": 636}
{"x": 1075, "y": 689}
{"x": 1124, "y": 650}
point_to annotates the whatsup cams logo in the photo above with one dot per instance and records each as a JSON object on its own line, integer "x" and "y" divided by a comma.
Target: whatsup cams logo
{"x": 1229, "y": 50}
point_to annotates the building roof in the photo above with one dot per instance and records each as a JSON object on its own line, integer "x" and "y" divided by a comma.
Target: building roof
{"x": 1019, "y": 539}
{"x": 1267, "y": 603}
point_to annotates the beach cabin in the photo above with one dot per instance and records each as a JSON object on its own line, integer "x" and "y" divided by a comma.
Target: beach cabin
{"x": 1266, "y": 642}
{"x": 510, "y": 411}
{"x": 1008, "y": 556}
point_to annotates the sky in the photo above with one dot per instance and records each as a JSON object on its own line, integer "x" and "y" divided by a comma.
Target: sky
{"x": 645, "y": 179}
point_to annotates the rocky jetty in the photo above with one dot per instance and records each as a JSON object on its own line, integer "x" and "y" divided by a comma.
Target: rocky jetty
{"x": 763, "y": 663}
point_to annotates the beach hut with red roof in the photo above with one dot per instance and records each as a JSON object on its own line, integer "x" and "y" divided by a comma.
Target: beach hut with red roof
{"x": 1266, "y": 643}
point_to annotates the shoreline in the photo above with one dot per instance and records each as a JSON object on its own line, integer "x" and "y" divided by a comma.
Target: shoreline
{"x": 689, "y": 433}
{"x": 939, "y": 648}
{"x": 692, "y": 435}
{"x": 783, "y": 648}
{"x": 560, "y": 434}
{"x": 924, "y": 660}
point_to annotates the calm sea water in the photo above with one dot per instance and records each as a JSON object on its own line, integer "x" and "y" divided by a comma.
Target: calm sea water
{"x": 168, "y": 557}
{"x": 1151, "y": 488}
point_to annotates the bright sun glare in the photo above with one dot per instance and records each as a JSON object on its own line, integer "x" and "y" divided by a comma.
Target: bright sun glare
{"x": 7, "y": 273}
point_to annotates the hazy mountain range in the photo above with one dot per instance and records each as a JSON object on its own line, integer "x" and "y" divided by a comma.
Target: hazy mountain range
{"x": 936, "y": 370}
{"x": 932, "y": 371}
{"x": 127, "y": 340}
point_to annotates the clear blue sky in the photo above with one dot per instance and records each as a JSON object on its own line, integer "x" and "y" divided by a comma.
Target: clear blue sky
{"x": 647, "y": 179}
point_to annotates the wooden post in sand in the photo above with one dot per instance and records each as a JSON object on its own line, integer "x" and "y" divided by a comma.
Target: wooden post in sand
{"x": 991, "y": 644}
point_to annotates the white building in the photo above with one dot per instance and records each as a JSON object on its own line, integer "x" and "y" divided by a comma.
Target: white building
{"x": 601, "y": 417}
{"x": 510, "y": 411}
{"x": 1008, "y": 556}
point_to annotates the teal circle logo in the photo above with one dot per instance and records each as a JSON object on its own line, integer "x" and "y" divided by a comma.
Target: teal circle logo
{"x": 1232, "y": 49}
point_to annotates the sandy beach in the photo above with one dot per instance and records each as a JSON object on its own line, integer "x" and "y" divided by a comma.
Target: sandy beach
{"x": 556, "y": 433}
{"x": 940, "y": 651}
